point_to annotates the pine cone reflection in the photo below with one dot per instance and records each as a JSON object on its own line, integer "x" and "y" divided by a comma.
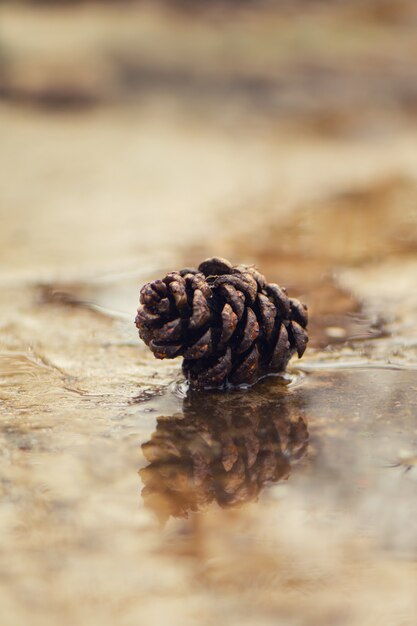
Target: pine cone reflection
{"x": 223, "y": 448}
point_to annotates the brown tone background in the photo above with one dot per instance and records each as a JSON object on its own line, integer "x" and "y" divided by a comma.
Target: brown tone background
{"x": 136, "y": 138}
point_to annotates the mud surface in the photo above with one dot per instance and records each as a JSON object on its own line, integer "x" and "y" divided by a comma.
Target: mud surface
{"x": 125, "y": 499}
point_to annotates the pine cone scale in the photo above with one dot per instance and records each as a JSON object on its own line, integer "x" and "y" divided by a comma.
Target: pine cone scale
{"x": 250, "y": 332}
{"x": 246, "y": 372}
{"x": 281, "y": 349}
{"x": 235, "y": 298}
{"x": 201, "y": 310}
{"x": 165, "y": 351}
{"x": 202, "y": 347}
{"x": 229, "y": 324}
{"x": 300, "y": 338}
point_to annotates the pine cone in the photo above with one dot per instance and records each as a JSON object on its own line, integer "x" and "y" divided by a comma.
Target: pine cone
{"x": 222, "y": 448}
{"x": 227, "y": 322}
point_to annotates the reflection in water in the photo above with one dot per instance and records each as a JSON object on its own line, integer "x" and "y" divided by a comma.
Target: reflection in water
{"x": 222, "y": 448}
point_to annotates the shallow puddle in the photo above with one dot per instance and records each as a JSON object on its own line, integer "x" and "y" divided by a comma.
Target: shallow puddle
{"x": 351, "y": 454}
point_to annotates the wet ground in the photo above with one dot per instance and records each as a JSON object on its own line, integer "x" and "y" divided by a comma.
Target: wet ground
{"x": 127, "y": 499}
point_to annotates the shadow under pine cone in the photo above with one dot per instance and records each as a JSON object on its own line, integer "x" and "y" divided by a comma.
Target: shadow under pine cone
{"x": 222, "y": 448}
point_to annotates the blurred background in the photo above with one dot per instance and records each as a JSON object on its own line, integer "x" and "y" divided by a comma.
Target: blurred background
{"x": 135, "y": 134}
{"x": 122, "y": 117}
{"x": 140, "y": 137}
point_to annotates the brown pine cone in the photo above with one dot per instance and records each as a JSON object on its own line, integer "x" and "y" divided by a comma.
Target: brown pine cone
{"x": 223, "y": 448}
{"x": 226, "y": 321}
